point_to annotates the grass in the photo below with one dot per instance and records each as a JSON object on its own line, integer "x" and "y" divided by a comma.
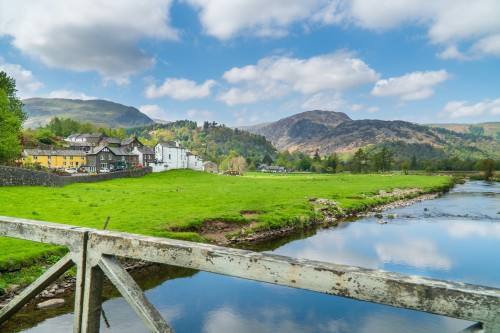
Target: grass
{"x": 165, "y": 204}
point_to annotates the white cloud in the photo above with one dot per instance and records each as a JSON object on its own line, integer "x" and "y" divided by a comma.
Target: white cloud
{"x": 225, "y": 19}
{"x": 413, "y": 86}
{"x": 324, "y": 101}
{"x": 474, "y": 24}
{"x": 462, "y": 109}
{"x": 26, "y": 83}
{"x": 275, "y": 77}
{"x": 449, "y": 23}
{"x": 180, "y": 89}
{"x": 153, "y": 111}
{"x": 90, "y": 35}
{"x": 70, "y": 94}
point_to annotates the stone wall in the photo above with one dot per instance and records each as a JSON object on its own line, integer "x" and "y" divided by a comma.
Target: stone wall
{"x": 10, "y": 176}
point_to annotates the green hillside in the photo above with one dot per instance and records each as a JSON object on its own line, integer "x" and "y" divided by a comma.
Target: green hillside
{"x": 100, "y": 112}
{"x": 212, "y": 141}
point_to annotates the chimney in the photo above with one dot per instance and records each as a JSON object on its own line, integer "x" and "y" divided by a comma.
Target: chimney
{"x": 91, "y": 148}
{"x": 177, "y": 142}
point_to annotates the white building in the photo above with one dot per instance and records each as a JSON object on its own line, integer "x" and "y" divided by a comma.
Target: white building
{"x": 194, "y": 162}
{"x": 171, "y": 155}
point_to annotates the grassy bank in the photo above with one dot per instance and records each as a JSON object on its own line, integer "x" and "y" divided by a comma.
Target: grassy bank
{"x": 176, "y": 203}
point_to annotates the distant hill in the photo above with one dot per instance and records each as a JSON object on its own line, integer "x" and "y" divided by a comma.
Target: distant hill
{"x": 490, "y": 128}
{"x": 100, "y": 112}
{"x": 331, "y": 132}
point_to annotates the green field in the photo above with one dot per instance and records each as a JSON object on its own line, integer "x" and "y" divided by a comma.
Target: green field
{"x": 157, "y": 204}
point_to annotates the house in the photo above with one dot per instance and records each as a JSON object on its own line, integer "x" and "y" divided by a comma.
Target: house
{"x": 170, "y": 155}
{"x": 85, "y": 137}
{"x": 132, "y": 143}
{"x": 271, "y": 168}
{"x": 146, "y": 155}
{"x": 108, "y": 157}
{"x": 210, "y": 166}
{"x": 194, "y": 162}
{"x": 54, "y": 158}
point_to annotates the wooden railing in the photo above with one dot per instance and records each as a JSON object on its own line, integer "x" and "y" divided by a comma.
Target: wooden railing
{"x": 93, "y": 252}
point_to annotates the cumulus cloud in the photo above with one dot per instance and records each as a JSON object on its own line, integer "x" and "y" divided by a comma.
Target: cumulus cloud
{"x": 153, "y": 111}
{"x": 225, "y": 19}
{"x": 275, "y": 77}
{"x": 70, "y": 94}
{"x": 26, "y": 83}
{"x": 477, "y": 28}
{"x": 463, "y": 109}
{"x": 180, "y": 89}
{"x": 412, "y": 86}
{"x": 91, "y": 35}
{"x": 449, "y": 23}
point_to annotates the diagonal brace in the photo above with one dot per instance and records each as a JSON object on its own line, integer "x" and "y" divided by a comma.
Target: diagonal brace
{"x": 133, "y": 294}
{"x": 52, "y": 274}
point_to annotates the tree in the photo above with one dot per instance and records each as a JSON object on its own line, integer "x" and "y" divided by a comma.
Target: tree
{"x": 359, "y": 161}
{"x": 12, "y": 117}
{"x": 487, "y": 165}
{"x": 476, "y": 130}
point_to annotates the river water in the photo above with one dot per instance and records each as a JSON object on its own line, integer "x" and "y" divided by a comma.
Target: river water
{"x": 454, "y": 237}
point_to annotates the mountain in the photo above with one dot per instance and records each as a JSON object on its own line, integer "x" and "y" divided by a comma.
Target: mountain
{"x": 100, "y": 112}
{"x": 489, "y": 128}
{"x": 331, "y": 132}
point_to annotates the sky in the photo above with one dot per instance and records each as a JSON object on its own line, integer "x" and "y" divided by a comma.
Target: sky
{"x": 243, "y": 62}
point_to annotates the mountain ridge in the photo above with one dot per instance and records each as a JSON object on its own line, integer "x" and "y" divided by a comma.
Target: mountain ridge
{"x": 334, "y": 132}
{"x": 100, "y": 112}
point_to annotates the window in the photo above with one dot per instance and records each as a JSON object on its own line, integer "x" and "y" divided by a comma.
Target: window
{"x": 64, "y": 157}
{"x": 71, "y": 157}
{"x": 64, "y": 163}
{"x": 110, "y": 157}
{"x": 102, "y": 157}
{"x": 104, "y": 165}
{"x": 169, "y": 156}
{"x": 71, "y": 163}
{"x": 35, "y": 157}
{"x": 123, "y": 158}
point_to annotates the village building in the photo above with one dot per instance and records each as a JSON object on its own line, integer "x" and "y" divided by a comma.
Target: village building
{"x": 54, "y": 158}
{"x": 110, "y": 158}
{"x": 210, "y": 166}
{"x": 170, "y": 155}
{"x": 194, "y": 162}
{"x": 271, "y": 168}
{"x": 146, "y": 155}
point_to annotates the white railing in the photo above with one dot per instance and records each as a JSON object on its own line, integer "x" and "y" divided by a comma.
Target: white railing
{"x": 93, "y": 252}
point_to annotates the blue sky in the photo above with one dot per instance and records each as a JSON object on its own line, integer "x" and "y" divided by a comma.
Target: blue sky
{"x": 242, "y": 62}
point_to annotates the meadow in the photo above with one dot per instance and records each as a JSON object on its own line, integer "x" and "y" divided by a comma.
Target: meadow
{"x": 176, "y": 203}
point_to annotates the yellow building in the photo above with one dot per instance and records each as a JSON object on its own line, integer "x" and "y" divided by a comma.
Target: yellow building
{"x": 55, "y": 158}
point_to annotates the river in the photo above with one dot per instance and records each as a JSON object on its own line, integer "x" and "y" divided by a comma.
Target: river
{"x": 454, "y": 237}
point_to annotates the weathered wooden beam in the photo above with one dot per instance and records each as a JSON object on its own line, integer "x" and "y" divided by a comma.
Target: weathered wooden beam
{"x": 52, "y": 274}
{"x": 452, "y": 299}
{"x": 134, "y": 295}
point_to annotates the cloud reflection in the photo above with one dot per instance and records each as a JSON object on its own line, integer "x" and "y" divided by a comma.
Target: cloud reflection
{"x": 470, "y": 230}
{"x": 276, "y": 320}
{"x": 416, "y": 253}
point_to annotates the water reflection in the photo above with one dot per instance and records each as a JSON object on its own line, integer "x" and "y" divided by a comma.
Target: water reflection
{"x": 419, "y": 253}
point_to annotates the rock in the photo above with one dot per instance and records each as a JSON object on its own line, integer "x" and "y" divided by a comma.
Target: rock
{"x": 50, "y": 304}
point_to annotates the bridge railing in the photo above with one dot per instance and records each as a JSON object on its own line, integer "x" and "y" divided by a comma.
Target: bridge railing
{"x": 93, "y": 252}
